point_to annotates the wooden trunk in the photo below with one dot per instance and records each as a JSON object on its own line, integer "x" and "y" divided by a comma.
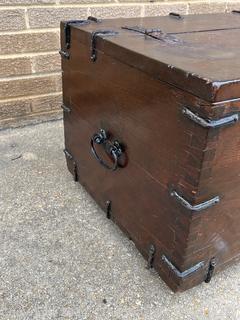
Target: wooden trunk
{"x": 151, "y": 108}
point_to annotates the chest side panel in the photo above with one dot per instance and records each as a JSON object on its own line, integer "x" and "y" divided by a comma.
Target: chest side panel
{"x": 219, "y": 231}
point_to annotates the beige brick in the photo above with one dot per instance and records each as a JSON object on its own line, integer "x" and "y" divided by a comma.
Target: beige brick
{"x": 51, "y": 17}
{"x": 14, "y": 108}
{"x": 116, "y": 11}
{"x": 206, "y": 7}
{"x": 22, "y": 2}
{"x": 46, "y": 103}
{"x": 15, "y": 66}
{"x": 164, "y": 9}
{"x": 233, "y": 5}
{"x": 29, "y": 42}
{"x": 12, "y": 20}
{"x": 26, "y": 106}
{"x": 46, "y": 63}
{"x": 30, "y": 86}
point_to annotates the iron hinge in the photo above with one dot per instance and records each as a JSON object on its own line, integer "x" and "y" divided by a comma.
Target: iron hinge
{"x": 99, "y": 33}
{"x": 196, "y": 207}
{"x": 182, "y": 274}
{"x": 211, "y": 268}
{"x": 207, "y": 123}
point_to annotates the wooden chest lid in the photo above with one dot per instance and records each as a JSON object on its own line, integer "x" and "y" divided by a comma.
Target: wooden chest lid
{"x": 197, "y": 53}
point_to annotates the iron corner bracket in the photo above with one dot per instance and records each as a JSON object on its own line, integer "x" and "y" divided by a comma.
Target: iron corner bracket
{"x": 67, "y": 32}
{"x": 182, "y": 274}
{"x": 207, "y": 123}
{"x": 197, "y": 207}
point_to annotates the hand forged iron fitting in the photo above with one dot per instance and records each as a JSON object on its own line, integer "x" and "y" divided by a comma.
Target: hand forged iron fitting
{"x": 112, "y": 148}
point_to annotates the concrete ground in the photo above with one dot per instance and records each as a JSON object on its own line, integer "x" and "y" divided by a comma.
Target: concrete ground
{"x": 62, "y": 259}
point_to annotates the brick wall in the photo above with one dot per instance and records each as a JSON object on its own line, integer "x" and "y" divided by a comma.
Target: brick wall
{"x": 30, "y": 78}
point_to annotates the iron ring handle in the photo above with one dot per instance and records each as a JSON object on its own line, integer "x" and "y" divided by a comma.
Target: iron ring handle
{"x": 115, "y": 149}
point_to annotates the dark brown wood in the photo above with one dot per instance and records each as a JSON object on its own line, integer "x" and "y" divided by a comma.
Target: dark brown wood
{"x": 136, "y": 90}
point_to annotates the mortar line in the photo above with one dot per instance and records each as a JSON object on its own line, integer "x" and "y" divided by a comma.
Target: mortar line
{"x": 51, "y": 94}
{"x": 84, "y": 5}
{"x": 27, "y": 54}
{"x": 30, "y": 76}
{"x": 29, "y": 31}
{"x": 26, "y": 19}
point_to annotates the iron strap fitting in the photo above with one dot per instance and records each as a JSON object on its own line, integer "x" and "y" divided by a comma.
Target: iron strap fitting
{"x": 151, "y": 255}
{"x": 68, "y": 154}
{"x": 64, "y": 54}
{"x": 185, "y": 273}
{"x": 95, "y": 35}
{"x": 65, "y": 108}
{"x": 207, "y": 123}
{"x": 75, "y": 168}
{"x": 197, "y": 207}
{"x": 154, "y": 33}
{"x": 108, "y": 209}
{"x": 211, "y": 267}
{"x": 75, "y": 171}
